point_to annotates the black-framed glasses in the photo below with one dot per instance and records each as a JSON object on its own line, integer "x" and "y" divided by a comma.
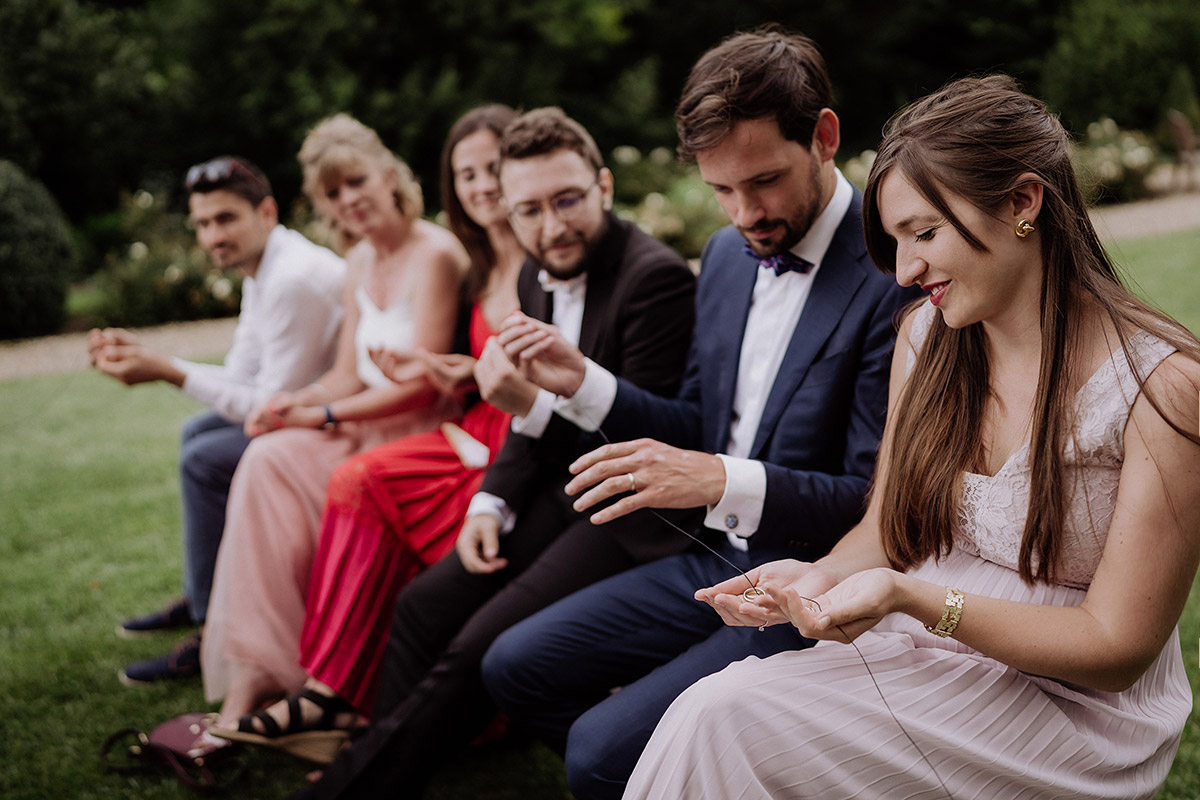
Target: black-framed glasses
{"x": 567, "y": 206}
{"x": 218, "y": 171}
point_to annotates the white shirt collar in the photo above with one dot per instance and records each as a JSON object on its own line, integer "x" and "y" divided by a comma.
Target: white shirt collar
{"x": 270, "y": 253}
{"x": 816, "y": 242}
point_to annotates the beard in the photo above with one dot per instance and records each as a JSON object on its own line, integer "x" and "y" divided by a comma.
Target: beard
{"x": 565, "y": 270}
{"x": 790, "y": 230}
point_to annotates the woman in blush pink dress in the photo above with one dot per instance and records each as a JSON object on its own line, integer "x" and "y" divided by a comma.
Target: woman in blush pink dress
{"x": 397, "y": 508}
{"x": 1035, "y": 526}
{"x": 402, "y": 286}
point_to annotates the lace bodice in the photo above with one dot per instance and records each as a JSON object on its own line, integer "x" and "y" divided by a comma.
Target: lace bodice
{"x": 992, "y": 511}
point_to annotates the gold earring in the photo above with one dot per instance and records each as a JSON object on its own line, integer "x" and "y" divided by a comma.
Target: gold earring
{"x": 1024, "y": 228}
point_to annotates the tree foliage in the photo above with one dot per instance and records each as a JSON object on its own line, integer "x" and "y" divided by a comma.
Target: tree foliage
{"x": 79, "y": 98}
{"x": 1117, "y": 58}
{"x": 97, "y": 98}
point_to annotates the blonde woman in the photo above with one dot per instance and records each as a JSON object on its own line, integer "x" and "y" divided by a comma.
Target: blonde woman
{"x": 397, "y": 508}
{"x": 401, "y": 294}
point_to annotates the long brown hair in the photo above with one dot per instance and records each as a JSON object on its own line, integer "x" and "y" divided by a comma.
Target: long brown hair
{"x": 495, "y": 118}
{"x": 975, "y": 139}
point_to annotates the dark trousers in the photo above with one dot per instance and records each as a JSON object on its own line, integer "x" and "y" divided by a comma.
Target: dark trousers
{"x": 209, "y": 450}
{"x": 642, "y": 631}
{"x": 431, "y": 696}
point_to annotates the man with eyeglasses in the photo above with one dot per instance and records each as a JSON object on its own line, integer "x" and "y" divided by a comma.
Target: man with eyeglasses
{"x": 627, "y": 301}
{"x": 286, "y": 335}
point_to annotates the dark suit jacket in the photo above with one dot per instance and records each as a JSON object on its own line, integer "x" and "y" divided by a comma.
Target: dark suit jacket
{"x": 637, "y": 322}
{"x": 824, "y": 416}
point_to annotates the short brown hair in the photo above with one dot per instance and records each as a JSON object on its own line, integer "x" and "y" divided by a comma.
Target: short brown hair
{"x": 764, "y": 73}
{"x": 229, "y": 174}
{"x": 545, "y": 130}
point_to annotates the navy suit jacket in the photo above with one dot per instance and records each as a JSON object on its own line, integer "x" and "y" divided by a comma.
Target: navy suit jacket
{"x": 824, "y": 416}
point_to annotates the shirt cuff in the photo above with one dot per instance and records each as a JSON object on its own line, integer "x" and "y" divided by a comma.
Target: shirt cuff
{"x": 534, "y": 423}
{"x": 739, "y": 511}
{"x": 493, "y": 506}
{"x": 589, "y": 406}
{"x": 212, "y": 385}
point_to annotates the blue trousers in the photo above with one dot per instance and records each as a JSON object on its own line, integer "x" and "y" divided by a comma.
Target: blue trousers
{"x": 209, "y": 451}
{"x": 641, "y": 630}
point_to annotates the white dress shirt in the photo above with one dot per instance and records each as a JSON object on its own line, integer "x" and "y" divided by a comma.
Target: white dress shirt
{"x": 286, "y": 332}
{"x": 567, "y": 316}
{"x": 775, "y": 308}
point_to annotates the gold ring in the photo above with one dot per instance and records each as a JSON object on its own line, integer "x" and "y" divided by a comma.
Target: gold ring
{"x": 632, "y": 482}
{"x": 752, "y": 594}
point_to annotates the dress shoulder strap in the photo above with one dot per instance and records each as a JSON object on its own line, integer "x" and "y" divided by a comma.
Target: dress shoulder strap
{"x": 922, "y": 320}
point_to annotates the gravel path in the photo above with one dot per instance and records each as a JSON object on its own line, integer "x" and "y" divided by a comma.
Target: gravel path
{"x": 211, "y": 338}
{"x": 1169, "y": 214}
{"x": 68, "y": 352}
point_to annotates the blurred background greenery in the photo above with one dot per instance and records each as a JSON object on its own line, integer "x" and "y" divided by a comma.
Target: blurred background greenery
{"x": 106, "y": 104}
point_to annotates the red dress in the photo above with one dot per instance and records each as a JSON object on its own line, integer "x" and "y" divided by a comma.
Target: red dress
{"x": 390, "y": 512}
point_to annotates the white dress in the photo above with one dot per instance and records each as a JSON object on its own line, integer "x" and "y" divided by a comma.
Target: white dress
{"x": 810, "y": 724}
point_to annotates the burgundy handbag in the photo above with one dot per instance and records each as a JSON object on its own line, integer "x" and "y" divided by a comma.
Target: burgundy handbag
{"x": 166, "y": 749}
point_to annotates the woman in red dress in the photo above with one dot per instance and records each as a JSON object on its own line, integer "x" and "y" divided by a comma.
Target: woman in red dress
{"x": 397, "y": 508}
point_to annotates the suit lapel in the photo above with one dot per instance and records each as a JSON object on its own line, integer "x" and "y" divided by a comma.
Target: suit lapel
{"x": 834, "y": 287}
{"x": 603, "y": 273}
{"x": 595, "y": 307}
{"x": 535, "y": 301}
{"x": 743, "y": 273}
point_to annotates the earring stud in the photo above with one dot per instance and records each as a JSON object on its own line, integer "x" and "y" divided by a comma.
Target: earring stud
{"x": 1024, "y": 228}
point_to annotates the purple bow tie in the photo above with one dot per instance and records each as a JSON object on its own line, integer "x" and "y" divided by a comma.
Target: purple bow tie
{"x": 787, "y": 261}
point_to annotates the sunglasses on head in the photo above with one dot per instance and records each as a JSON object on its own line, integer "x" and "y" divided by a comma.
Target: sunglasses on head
{"x": 217, "y": 171}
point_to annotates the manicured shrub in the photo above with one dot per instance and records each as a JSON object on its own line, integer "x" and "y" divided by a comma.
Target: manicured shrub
{"x": 37, "y": 258}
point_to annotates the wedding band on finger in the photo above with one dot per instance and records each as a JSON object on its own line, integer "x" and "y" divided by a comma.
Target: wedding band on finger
{"x": 632, "y": 482}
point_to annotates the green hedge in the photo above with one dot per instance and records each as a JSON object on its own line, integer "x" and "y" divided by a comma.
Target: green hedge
{"x": 37, "y": 258}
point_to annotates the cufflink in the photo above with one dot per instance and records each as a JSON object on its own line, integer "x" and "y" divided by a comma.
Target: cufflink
{"x": 731, "y": 521}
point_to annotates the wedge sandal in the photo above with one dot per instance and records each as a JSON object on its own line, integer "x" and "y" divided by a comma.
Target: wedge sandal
{"x": 318, "y": 742}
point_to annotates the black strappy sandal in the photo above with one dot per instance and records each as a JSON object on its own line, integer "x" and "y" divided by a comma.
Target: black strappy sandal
{"x": 318, "y": 742}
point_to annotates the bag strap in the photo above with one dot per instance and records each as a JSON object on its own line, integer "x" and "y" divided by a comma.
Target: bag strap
{"x": 195, "y": 774}
{"x": 134, "y": 751}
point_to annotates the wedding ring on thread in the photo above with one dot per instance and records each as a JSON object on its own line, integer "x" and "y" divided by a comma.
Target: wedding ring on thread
{"x": 752, "y": 594}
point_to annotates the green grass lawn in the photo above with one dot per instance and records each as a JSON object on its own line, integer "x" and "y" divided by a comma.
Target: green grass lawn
{"x": 89, "y": 523}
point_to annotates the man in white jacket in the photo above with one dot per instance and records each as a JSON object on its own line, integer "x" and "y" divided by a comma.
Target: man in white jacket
{"x": 286, "y": 335}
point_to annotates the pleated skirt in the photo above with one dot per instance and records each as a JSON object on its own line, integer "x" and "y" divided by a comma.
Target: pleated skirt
{"x": 931, "y": 719}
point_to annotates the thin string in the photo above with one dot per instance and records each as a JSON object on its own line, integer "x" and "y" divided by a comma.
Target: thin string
{"x": 849, "y": 641}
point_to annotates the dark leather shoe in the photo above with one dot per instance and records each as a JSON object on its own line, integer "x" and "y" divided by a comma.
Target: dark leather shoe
{"x": 182, "y": 662}
{"x": 172, "y": 617}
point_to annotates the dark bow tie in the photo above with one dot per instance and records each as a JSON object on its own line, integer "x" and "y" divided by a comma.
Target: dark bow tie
{"x": 787, "y": 261}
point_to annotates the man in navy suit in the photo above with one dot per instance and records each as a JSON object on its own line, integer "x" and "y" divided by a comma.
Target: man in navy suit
{"x": 775, "y": 429}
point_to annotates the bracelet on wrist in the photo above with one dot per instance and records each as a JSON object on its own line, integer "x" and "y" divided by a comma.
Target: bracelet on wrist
{"x": 951, "y": 614}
